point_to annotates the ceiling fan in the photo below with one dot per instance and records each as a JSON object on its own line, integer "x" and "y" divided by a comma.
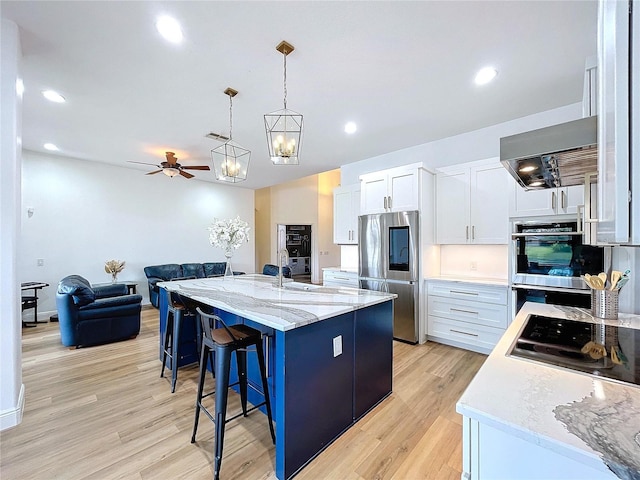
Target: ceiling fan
{"x": 171, "y": 167}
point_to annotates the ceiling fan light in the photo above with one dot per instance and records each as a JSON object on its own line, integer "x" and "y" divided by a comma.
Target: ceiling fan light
{"x": 171, "y": 172}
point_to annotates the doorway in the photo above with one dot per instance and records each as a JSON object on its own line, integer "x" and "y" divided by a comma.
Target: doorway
{"x": 297, "y": 240}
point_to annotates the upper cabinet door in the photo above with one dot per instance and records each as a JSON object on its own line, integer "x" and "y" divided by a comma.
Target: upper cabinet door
{"x": 403, "y": 191}
{"x": 613, "y": 121}
{"x": 373, "y": 193}
{"x": 489, "y": 207}
{"x": 392, "y": 190}
{"x": 473, "y": 204}
{"x": 346, "y": 208}
{"x": 452, "y": 200}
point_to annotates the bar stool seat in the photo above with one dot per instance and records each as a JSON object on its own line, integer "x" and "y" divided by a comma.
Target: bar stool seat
{"x": 176, "y": 313}
{"x": 223, "y": 342}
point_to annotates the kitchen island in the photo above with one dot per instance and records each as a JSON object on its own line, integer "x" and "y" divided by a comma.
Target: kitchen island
{"x": 528, "y": 420}
{"x": 328, "y": 353}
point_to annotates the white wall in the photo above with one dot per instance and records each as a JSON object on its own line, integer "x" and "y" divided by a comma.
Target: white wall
{"x": 466, "y": 147}
{"x": 85, "y": 213}
{"x": 299, "y": 203}
{"x": 11, "y": 388}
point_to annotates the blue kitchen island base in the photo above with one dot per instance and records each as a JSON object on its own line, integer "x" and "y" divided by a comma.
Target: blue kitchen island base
{"x": 319, "y": 395}
{"x": 329, "y": 355}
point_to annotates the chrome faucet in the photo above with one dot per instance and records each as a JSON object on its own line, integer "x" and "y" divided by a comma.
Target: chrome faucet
{"x": 282, "y": 254}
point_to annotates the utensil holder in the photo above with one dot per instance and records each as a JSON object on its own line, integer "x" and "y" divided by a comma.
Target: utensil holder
{"x": 604, "y": 303}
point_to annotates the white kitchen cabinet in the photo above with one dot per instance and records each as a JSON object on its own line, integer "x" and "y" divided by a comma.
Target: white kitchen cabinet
{"x": 334, "y": 277}
{"x": 489, "y": 453}
{"x": 590, "y": 92}
{"x": 472, "y": 204}
{"x": 392, "y": 190}
{"x": 346, "y": 208}
{"x": 467, "y": 315}
{"x": 618, "y": 123}
{"x": 547, "y": 202}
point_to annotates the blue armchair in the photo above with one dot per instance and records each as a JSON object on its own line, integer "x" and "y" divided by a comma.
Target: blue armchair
{"x": 272, "y": 270}
{"x": 93, "y": 315}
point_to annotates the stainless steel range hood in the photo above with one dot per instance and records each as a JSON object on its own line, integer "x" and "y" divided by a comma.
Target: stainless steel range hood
{"x": 550, "y": 157}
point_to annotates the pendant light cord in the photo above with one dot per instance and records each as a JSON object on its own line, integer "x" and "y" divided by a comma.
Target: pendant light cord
{"x": 230, "y": 117}
{"x": 285, "y": 81}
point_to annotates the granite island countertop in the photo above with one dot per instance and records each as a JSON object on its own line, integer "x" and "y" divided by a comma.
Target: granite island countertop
{"x": 590, "y": 419}
{"x": 256, "y": 297}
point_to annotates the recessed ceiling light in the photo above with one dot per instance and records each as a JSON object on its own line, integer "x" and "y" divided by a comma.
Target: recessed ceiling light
{"x": 53, "y": 96}
{"x": 537, "y": 183}
{"x": 51, "y": 147}
{"x": 528, "y": 168}
{"x": 169, "y": 28}
{"x": 350, "y": 127}
{"x": 485, "y": 75}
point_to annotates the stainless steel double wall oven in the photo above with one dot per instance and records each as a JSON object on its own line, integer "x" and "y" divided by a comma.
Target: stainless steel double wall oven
{"x": 548, "y": 259}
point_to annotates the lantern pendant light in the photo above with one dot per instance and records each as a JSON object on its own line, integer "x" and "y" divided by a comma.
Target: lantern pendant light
{"x": 284, "y": 127}
{"x": 230, "y": 160}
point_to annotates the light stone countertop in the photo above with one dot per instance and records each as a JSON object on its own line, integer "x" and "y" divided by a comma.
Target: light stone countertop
{"x": 590, "y": 419}
{"x": 256, "y": 297}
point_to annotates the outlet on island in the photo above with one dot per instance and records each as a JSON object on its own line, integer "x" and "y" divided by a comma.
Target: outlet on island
{"x": 474, "y": 266}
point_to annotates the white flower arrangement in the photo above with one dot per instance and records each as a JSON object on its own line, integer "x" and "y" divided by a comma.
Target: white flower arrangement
{"x": 228, "y": 234}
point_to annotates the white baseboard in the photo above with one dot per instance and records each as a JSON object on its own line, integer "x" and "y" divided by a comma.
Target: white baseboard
{"x": 13, "y": 416}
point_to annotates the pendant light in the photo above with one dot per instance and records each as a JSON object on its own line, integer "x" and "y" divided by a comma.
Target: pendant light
{"x": 230, "y": 160}
{"x": 284, "y": 127}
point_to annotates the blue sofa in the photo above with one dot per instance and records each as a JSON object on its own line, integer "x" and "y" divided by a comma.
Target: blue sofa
{"x": 94, "y": 315}
{"x": 174, "y": 271}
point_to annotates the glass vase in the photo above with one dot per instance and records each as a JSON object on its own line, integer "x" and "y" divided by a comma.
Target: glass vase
{"x": 114, "y": 277}
{"x": 228, "y": 273}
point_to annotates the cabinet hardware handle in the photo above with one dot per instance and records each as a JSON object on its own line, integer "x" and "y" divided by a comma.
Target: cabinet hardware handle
{"x": 389, "y": 202}
{"x": 467, "y": 232}
{"x": 553, "y": 200}
{"x": 563, "y": 199}
{"x": 385, "y": 203}
{"x": 349, "y": 234}
{"x": 463, "y": 333}
{"x": 473, "y": 232}
{"x": 464, "y": 293}
{"x": 461, "y": 310}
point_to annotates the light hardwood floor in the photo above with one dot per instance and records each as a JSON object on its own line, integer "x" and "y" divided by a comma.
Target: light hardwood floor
{"x": 104, "y": 413}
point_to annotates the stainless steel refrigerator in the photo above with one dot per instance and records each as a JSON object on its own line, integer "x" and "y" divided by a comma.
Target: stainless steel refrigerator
{"x": 389, "y": 259}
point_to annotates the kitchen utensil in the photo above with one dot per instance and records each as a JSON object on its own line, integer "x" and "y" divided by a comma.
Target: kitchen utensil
{"x": 603, "y": 276}
{"x": 597, "y": 283}
{"x": 587, "y": 279}
{"x": 595, "y": 350}
{"x": 621, "y": 283}
{"x": 614, "y": 356}
{"x": 615, "y": 277}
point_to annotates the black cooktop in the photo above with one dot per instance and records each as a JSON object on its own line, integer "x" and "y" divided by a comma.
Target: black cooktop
{"x": 598, "y": 349}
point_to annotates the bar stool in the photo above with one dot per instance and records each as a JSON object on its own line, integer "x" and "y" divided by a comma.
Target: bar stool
{"x": 223, "y": 341}
{"x": 176, "y": 312}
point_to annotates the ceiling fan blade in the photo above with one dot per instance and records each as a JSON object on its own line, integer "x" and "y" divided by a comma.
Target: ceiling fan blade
{"x": 155, "y": 171}
{"x": 185, "y": 174}
{"x": 197, "y": 167}
{"x": 144, "y": 163}
{"x": 171, "y": 159}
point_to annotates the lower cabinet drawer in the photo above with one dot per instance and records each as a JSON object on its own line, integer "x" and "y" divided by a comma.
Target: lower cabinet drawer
{"x": 463, "y": 332}
{"x": 332, "y": 278}
{"x": 488, "y": 314}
